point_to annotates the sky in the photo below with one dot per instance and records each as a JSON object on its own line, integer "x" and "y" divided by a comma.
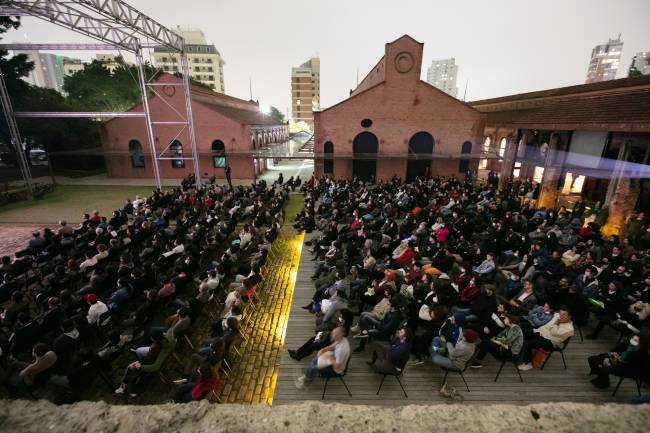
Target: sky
{"x": 501, "y": 47}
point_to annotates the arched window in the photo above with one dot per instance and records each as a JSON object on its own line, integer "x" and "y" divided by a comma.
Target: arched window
{"x": 463, "y": 165}
{"x": 176, "y": 149}
{"x": 328, "y": 162}
{"x": 218, "y": 154}
{"x": 486, "y": 149}
{"x": 135, "y": 151}
{"x": 502, "y": 147}
{"x": 364, "y": 164}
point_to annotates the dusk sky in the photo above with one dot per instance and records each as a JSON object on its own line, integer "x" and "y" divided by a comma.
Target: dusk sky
{"x": 501, "y": 46}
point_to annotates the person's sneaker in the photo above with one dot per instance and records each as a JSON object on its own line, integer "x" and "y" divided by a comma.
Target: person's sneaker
{"x": 294, "y": 355}
{"x": 119, "y": 391}
{"x": 308, "y": 307}
{"x": 133, "y": 395}
{"x": 416, "y": 361}
{"x": 363, "y": 334}
{"x": 180, "y": 381}
{"x": 300, "y": 382}
{"x": 476, "y": 364}
{"x": 525, "y": 367}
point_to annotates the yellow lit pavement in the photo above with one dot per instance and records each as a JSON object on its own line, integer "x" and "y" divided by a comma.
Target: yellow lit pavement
{"x": 254, "y": 376}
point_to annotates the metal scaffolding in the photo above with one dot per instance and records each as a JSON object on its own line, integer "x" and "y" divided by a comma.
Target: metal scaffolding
{"x": 118, "y": 26}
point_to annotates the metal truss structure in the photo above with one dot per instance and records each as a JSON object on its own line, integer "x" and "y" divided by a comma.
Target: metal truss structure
{"x": 118, "y": 26}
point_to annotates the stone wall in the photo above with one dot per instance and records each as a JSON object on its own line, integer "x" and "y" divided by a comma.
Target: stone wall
{"x": 39, "y": 417}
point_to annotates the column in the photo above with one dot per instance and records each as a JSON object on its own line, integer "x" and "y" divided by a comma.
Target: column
{"x": 553, "y": 166}
{"x": 508, "y": 162}
{"x": 622, "y": 193}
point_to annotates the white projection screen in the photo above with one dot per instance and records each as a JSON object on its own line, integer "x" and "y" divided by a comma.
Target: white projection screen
{"x": 586, "y": 148}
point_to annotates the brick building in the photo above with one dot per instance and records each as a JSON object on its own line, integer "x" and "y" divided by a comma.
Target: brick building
{"x": 587, "y": 142}
{"x": 228, "y": 131}
{"x": 395, "y": 124}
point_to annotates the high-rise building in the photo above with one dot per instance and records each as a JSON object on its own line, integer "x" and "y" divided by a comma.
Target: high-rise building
{"x": 305, "y": 91}
{"x": 442, "y": 74}
{"x": 48, "y": 69}
{"x": 604, "y": 61}
{"x": 640, "y": 64}
{"x": 205, "y": 62}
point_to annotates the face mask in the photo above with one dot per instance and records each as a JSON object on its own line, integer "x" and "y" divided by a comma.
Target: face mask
{"x": 634, "y": 342}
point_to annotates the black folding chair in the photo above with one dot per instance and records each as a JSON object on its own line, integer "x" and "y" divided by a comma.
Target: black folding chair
{"x": 340, "y": 377}
{"x": 460, "y": 372}
{"x": 509, "y": 358}
{"x": 557, "y": 349}
{"x": 634, "y": 376}
{"x": 397, "y": 374}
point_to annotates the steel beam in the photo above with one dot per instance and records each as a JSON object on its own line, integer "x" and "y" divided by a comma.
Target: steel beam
{"x": 89, "y": 114}
{"x": 57, "y": 47}
{"x": 147, "y": 118}
{"x": 62, "y": 14}
{"x": 14, "y": 133}
{"x": 190, "y": 118}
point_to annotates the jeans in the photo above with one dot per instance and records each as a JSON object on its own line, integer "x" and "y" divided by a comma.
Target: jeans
{"x": 442, "y": 361}
{"x": 184, "y": 393}
{"x": 368, "y": 321}
{"x": 312, "y": 371}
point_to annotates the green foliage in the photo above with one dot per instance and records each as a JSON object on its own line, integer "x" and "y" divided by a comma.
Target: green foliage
{"x": 633, "y": 72}
{"x": 276, "y": 114}
{"x": 96, "y": 88}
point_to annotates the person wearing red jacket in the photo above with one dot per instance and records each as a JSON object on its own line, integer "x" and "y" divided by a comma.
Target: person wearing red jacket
{"x": 195, "y": 391}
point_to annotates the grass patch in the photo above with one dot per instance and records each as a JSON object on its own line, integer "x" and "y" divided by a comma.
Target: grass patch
{"x": 70, "y": 202}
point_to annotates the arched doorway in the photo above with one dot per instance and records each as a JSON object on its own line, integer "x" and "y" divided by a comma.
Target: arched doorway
{"x": 463, "y": 165}
{"x": 218, "y": 154}
{"x": 176, "y": 149}
{"x": 420, "y": 151}
{"x": 328, "y": 161}
{"x": 364, "y": 165}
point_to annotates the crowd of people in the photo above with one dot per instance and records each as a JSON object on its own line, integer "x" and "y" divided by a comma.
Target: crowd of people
{"x": 105, "y": 303}
{"x": 456, "y": 270}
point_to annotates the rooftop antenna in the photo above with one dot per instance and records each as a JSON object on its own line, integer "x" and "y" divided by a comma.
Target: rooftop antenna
{"x": 465, "y": 94}
{"x": 250, "y": 87}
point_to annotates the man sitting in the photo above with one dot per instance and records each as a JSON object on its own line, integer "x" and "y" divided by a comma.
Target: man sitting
{"x": 330, "y": 361}
{"x": 553, "y": 334}
{"x": 391, "y": 359}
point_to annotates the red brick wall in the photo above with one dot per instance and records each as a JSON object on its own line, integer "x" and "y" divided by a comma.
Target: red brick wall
{"x": 399, "y": 107}
{"x": 208, "y": 124}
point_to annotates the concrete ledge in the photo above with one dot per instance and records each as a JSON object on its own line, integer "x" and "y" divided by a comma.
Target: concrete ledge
{"x": 91, "y": 417}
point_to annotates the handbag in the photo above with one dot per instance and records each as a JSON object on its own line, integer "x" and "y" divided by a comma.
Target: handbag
{"x": 539, "y": 357}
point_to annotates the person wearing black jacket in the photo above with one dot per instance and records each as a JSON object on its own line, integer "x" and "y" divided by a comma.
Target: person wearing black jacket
{"x": 627, "y": 359}
{"x": 613, "y": 302}
{"x": 385, "y": 329}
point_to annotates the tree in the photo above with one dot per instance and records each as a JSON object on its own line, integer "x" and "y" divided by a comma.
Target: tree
{"x": 96, "y": 88}
{"x": 52, "y": 134}
{"x": 276, "y": 114}
{"x": 633, "y": 72}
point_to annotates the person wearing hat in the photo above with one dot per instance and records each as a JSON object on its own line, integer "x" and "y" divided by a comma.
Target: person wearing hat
{"x": 96, "y": 309}
{"x": 457, "y": 356}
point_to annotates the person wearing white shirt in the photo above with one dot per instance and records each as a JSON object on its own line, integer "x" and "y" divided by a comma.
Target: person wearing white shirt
{"x": 97, "y": 308}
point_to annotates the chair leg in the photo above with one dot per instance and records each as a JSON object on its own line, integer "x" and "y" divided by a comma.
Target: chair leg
{"x": 514, "y": 363}
{"x": 499, "y": 372}
{"x": 580, "y": 334}
{"x": 381, "y": 383}
{"x": 563, "y": 361}
{"x": 346, "y": 386}
{"x": 444, "y": 378}
{"x": 617, "y": 386}
{"x": 402, "y": 386}
{"x": 638, "y": 386}
{"x": 464, "y": 381}
{"x": 327, "y": 379}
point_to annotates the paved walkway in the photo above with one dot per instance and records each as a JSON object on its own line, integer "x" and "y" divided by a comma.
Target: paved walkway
{"x": 254, "y": 376}
{"x": 422, "y": 382}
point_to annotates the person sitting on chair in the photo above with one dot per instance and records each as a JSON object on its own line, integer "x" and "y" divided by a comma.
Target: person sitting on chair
{"x": 627, "y": 359}
{"x": 331, "y": 361}
{"x": 391, "y": 359}
{"x": 456, "y": 357}
{"x": 551, "y": 335}
{"x": 509, "y": 341}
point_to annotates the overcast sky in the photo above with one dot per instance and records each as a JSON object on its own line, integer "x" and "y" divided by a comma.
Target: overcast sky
{"x": 502, "y": 47}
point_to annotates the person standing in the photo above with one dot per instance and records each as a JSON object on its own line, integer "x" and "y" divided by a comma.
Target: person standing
{"x": 228, "y": 175}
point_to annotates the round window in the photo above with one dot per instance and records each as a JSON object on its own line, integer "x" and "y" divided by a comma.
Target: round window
{"x": 366, "y": 123}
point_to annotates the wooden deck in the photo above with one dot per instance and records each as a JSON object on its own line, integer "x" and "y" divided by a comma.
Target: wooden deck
{"x": 423, "y": 381}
